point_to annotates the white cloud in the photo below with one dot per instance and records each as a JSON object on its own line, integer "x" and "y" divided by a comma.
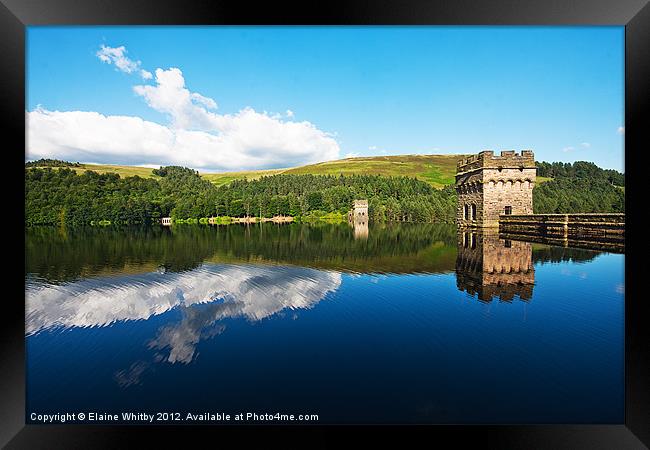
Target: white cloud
{"x": 205, "y": 101}
{"x": 196, "y": 137}
{"x": 621, "y": 130}
{"x": 187, "y": 110}
{"x": 117, "y": 56}
{"x": 289, "y": 113}
{"x": 248, "y": 140}
{"x": 585, "y": 145}
{"x": 372, "y": 147}
{"x": 351, "y": 155}
{"x": 567, "y": 149}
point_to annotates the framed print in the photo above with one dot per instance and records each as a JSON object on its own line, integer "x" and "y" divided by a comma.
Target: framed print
{"x": 415, "y": 218}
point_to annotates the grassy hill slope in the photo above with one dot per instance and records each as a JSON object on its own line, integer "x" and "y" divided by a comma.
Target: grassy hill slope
{"x": 226, "y": 177}
{"x": 122, "y": 171}
{"x": 438, "y": 170}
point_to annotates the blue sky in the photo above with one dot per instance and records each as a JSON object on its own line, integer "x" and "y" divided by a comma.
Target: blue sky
{"x": 286, "y": 96}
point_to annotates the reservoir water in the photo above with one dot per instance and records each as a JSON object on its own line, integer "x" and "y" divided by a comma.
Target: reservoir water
{"x": 401, "y": 323}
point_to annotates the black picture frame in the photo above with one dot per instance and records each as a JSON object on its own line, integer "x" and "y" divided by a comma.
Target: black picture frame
{"x": 15, "y": 15}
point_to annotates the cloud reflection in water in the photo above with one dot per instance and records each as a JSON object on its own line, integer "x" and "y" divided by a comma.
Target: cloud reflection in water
{"x": 224, "y": 291}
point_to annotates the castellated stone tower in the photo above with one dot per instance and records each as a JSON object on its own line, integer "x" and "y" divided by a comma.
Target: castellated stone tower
{"x": 489, "y": 185}
{"x": 359, "y": 212}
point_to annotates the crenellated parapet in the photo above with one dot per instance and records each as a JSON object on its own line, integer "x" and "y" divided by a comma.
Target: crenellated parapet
{"x": 509, "y": 159}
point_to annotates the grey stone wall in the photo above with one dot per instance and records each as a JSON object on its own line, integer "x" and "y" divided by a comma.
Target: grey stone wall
{"x": 570, "y": 229}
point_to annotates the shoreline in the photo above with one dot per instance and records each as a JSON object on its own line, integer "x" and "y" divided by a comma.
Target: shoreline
{"x": 248, "y": 219}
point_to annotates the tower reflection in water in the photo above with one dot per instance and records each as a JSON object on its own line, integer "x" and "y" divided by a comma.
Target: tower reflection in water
{"x": 492, "y": 267}
{"x": 360, "y": 229}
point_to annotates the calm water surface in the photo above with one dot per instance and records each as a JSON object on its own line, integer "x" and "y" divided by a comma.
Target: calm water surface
{"x": 398, "y": 324}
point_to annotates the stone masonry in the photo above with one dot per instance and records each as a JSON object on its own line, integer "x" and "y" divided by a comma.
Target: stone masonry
{"x": 359, "y": 212}
{"x": 489, "y": 185}
{"x": 358, "y": 218}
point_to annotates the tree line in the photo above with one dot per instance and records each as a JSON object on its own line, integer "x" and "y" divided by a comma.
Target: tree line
{"x": 47, "y": 162}
{"x": 581, "y": 187}
{"x": 580, "y": 169}
{"x": 578, "y": 195}
{"x": 60, "y": 195}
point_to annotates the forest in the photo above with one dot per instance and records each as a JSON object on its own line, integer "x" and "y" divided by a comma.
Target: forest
{"x": 59, "y": 195}
{"x": 581, "y": 187}
{"x": 47, "y": 162}
{"x": 579, "y": 169}
{"x": 55, "y": 196}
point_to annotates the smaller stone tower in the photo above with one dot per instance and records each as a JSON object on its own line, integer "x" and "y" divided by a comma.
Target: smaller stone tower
{"x": 489, "y": 186}
{"x": 359, "y": 212}
{"x": 358, "y": 218}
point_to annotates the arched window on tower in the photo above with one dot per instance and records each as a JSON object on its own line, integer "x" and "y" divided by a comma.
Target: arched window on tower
{"x": 473, "y": 212}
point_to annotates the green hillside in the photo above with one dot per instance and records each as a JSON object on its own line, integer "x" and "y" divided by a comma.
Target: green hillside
{"x": 437, "y": 170}
{"x": 122, "y": 171}
{"x": 226, "y": 177}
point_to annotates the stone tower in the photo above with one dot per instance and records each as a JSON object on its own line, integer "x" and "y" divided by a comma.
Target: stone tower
{"x": 358, "y": 217}
{"x": 359, "y": 212}
{"x": 489, "y": 185}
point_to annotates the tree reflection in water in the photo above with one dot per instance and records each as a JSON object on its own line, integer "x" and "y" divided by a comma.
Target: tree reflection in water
{"x": 97, "y": 277}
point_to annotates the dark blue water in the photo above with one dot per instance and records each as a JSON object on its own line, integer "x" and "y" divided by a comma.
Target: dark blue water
{"x": 436, "y": 330}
